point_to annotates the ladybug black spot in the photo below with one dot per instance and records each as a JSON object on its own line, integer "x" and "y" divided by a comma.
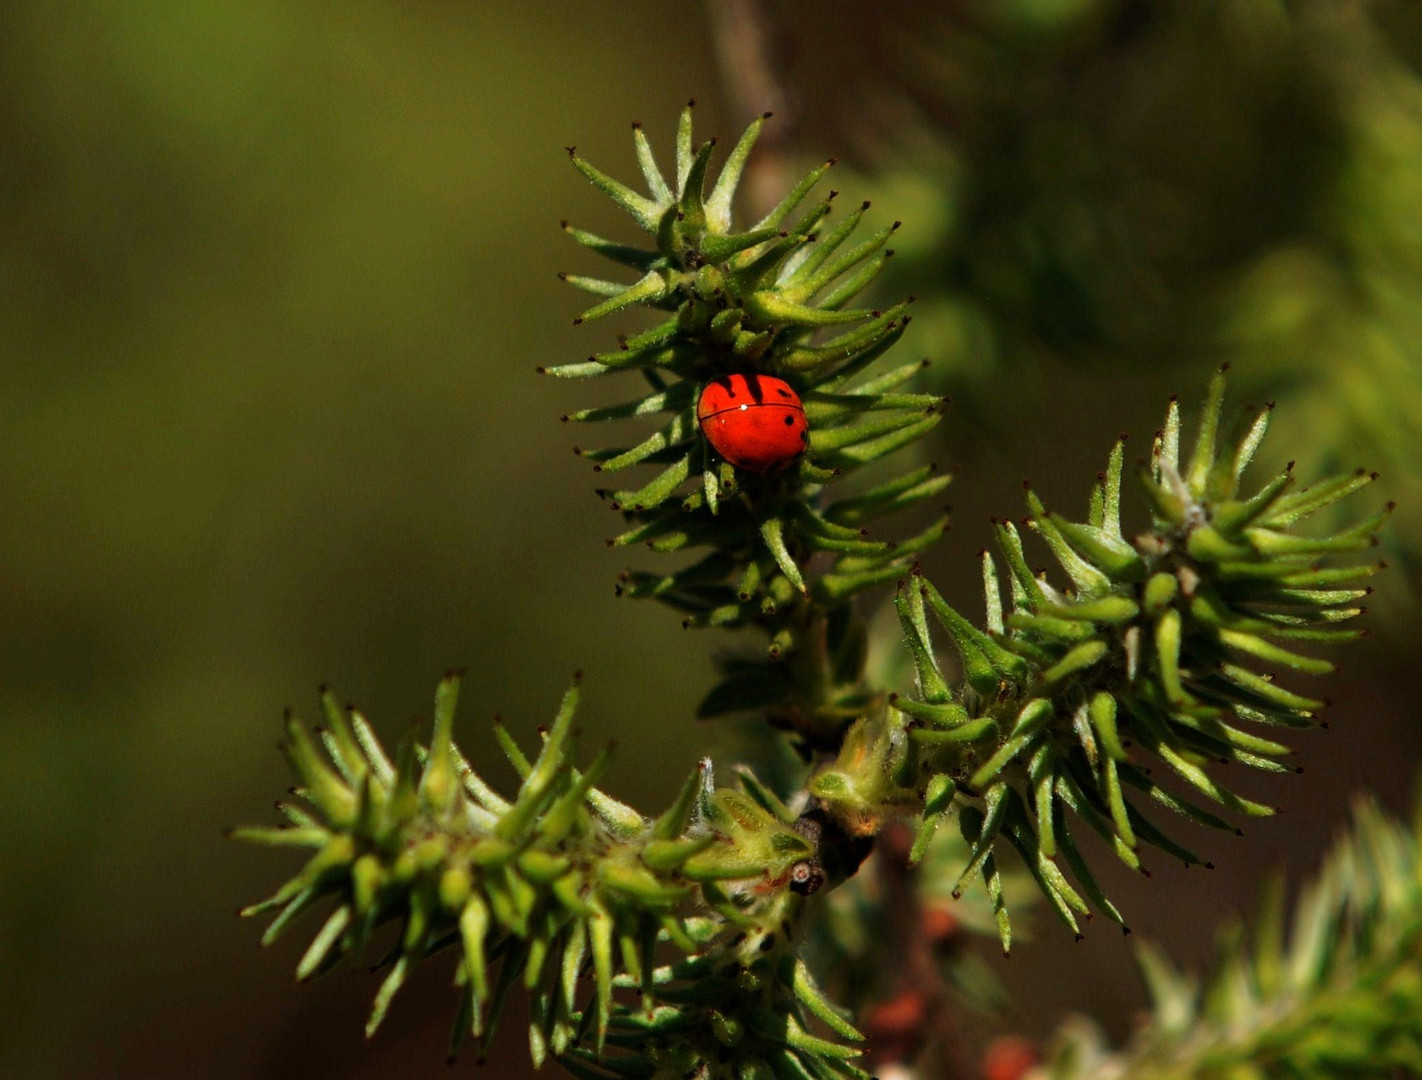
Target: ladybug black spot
{"x": 783, "y": 392}
{"x": 789, "y": 420}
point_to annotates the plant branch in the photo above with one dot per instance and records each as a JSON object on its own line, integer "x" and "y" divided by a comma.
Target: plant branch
{"x": 1158, "y": 651}
{"x": 557, "y": 881}
{"x": 1161, "y": 651}
{"x": 1340, "y": 996}
{"x": 913, "y": 1025}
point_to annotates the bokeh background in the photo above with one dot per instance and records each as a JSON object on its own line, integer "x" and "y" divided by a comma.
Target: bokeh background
{"x": 274, "y": 279}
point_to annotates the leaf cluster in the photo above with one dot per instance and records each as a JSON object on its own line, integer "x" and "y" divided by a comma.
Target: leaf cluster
{"x": 671, "y": 946}
{"x": 747, "y": 1010}
{"x": 773, "y": 298}
{"x": 1160, "y": 650}
{"x": 1334, "y": 990}
{"x": 556, "y": 883}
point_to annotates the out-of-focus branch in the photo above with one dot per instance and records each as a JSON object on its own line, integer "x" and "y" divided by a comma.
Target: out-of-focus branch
{"x": 750, "y": 53}
{"x": 914, "y": 1024}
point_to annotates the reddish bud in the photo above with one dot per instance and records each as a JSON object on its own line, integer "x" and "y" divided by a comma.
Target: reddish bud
{"x": 1008, "y": 1058}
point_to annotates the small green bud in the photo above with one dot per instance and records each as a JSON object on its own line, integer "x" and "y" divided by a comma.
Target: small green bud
{"x": 455, "y": 885}
{"x": 1159, "y": 592}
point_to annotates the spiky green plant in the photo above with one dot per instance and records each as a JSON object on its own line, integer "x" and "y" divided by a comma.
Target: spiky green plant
{"x": 1337, "y": 994}
{"x": 558, "y": 880}
{"x": 1036, "y": 150}
{"x": 770, "y": 297}
{"x": 1158, "y": 648}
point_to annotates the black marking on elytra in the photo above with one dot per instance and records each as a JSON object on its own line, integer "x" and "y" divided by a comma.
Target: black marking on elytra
{"x": 789, "y": 419}
{"x": 790, "y": 410}
{"x": 755, "y": 385}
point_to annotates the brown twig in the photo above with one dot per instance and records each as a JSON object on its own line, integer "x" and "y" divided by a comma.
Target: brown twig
{"x": 914, "y": 1023}
{"x": 749, "y": 53}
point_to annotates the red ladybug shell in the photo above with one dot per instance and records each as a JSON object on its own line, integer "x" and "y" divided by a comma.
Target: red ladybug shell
{"x": 755, "y": 422}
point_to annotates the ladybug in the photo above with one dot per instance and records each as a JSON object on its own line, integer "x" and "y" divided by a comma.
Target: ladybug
{"x": 755, "y": 422}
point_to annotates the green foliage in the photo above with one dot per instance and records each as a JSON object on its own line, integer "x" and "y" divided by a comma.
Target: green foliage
{"x": 546, "y": 886}
{"x": 1340, "y": 995}
{"x": 770, "y": 298}
{"x": 1160, "y": 650}
{"x": 743, "y": 1011}
{"x": 1057, "y": 215}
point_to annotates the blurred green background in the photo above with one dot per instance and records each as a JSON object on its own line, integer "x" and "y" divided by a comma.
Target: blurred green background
{"x": 274, "y": 279}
